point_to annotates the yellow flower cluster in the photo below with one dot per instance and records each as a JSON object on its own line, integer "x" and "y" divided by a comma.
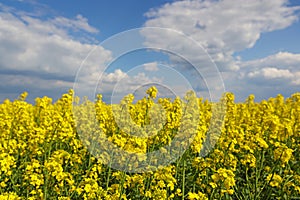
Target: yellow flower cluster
{"x": 79, "y": 149}
{"x": 274, "y": 179}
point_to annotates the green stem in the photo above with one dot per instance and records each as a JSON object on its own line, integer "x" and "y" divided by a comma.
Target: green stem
{"x": 108, "y": 176}
{"x": 183, "y": 180}
{"x": 122, "y": 185}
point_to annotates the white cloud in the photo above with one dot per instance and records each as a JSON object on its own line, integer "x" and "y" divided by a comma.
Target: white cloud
{"x": 44, "y": 55}
{"x": 29, "y": 82}
{"x": 221, "y": 27}
{"x": 32, "y": 47}
{"x": 152, "y": 66}
{"x": 224, "y": 28}
{"x": 113, "y": 85}
{"x": 115, "y": 77}
{"x": 272, "y": 73}
{"x": 296, "y": 79}
{"x": 123, "y": 82}
{"x": 282, "y": 66}
{"x": 33, "y": 44}
{"x": 281, "y": 60}
{"x": 265, "y": 77}
{"x": 80, "y": 23}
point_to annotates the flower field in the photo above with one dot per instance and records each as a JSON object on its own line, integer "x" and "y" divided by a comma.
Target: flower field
{"x": 47, "y": 149}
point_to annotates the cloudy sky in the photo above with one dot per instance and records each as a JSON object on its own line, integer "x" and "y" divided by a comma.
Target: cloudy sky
{"x": 117, "y": 47}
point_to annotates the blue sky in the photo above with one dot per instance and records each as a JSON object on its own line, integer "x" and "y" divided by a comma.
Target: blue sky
{"x": 246, "y": 48}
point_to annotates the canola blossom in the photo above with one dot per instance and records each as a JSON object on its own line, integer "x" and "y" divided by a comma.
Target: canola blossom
{"x": 79, "y": 149}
